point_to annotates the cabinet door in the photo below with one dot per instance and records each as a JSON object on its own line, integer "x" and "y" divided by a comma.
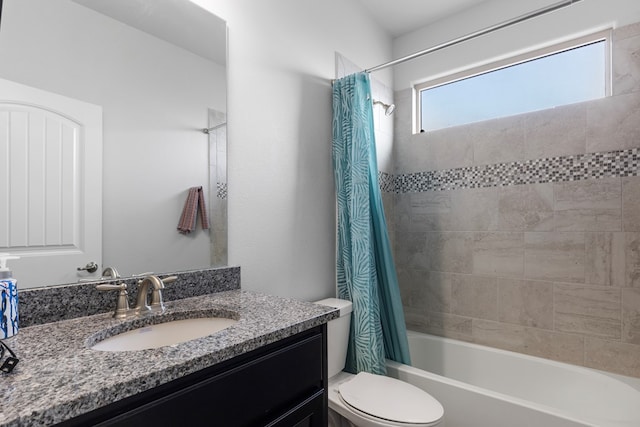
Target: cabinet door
{"x": 310, "y": 413}
{"x": 268, "y": 389}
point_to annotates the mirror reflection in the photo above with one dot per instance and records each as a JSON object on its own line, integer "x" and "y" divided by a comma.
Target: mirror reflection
{"x": 156, "y": 71}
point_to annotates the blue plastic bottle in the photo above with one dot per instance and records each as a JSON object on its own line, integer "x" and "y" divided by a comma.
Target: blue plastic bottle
{"x": 8, "y": 299}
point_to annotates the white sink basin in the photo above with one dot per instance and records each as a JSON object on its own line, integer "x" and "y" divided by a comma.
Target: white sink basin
{"x": 163, "y": 334}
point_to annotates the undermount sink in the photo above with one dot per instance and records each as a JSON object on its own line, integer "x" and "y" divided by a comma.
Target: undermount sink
{"x": 164, "y": 334}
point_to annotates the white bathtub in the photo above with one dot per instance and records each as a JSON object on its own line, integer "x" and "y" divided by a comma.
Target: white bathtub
{"x": 485, "y": 387}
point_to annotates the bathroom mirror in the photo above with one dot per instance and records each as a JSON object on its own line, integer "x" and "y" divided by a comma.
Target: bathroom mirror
{"x": 157, "y": 69}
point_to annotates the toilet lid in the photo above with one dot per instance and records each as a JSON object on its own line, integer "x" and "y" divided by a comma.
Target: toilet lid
{"x": 390, "y": 399}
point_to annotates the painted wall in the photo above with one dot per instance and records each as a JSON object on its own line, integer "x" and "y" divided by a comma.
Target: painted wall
{"x": 154, "y": 97}
{"x": 533, "y": 247}
{"x": 281, "y": 190}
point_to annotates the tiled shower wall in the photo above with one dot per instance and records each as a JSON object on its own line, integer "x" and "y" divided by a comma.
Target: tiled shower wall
{"x": 523, "y": 233}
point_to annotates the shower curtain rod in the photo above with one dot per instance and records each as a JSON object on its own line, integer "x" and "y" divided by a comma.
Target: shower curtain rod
{"x": 478, "y": 33}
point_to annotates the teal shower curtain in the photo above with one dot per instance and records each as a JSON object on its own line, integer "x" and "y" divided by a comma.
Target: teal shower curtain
{"x": 366, "y": 273}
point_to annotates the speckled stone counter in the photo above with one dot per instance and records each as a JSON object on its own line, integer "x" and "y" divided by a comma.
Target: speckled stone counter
{"x": 59, "y": 376}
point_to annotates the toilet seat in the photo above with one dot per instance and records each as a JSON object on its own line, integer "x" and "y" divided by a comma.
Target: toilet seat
{"x": 390, "y": 401}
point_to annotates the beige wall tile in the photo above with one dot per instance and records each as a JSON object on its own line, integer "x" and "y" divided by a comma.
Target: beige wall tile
{"x": 605, "y": 194}
{"x": 474, "y": 296}
{"x": 632, "y": 259}
{"x": 474, "y": 209}
{"x": 498, "y": 141}
{"x": 438, "y": 292}
{"x": 413, "y": 157}
{"x": 525, "y": 302}
{"x": 402, "y": 119}
{"x": 402, "y": 212}
{"x": 631, "y": 203}
{"x": 626, "y": 31}
{"x": 557, "y": 131}
{"x": 448, "y": 325}
{"x": 415, "y": 319}
{"x": 431, "y": 211}
{"x": 626, "y": 65}
{"x": 498, "y": 254}
{"x": 413, "y": 287}
{"x": 605, "y": 259}
{"x": 525, "y": 207}
{"x": 588, "y": 220}
{"x": 448, "y": 148}
{"x": 554, "y": 256}
{"x": 589, "y": 205}
{"x": 613, "y": 356}
{"x": 612, "y": 123}
{"x": 588, "y": 310}
{"x": 533, "y": 341}
{"x": 411, "y": 250}
{"x": 450, "y": 251}
{"x": 631, "y": 315}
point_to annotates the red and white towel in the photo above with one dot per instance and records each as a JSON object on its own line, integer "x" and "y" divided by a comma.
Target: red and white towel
{"x": 193, "y": 205}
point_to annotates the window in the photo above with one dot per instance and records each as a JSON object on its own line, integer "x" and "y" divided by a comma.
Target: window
{"x": 575, "y": 71}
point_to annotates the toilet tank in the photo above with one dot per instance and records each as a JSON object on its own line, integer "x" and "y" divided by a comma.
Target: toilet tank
{"x": 337, "y": 335}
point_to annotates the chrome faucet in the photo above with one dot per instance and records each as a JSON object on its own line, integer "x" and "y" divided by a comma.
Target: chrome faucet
{"x": 142, "y": 306}
{"x": 157, "y": 284}
{"x": 110, "y": 272}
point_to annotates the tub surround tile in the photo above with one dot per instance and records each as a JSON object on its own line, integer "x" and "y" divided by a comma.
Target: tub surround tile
{"x": 632, "y": 260}
{"x": 555, "y": 256}
{"x": 448, "y": 325}
{"x": 601, "y": 193}
{"x": 631, "y": 315}
{"x": 590, "y": 205}
{"x": 544, "y": 128}
{"x": 498, "y": 254}
{"x": 526, "y": 208}
{"x": 438, "y": 292}
{"x": 588, "y": 310}
{"x": 525, "y": 302}
{"x": 612, "y": 123}
{"x": 567, "y": 348}
{"x": 564, "y": 243}
{"x": 613, "y": 356}
{"x": 605, "y": 259}
{"x": 474, "y": 296}
{"x": 631, "y": 203}
{"x": 626, "y": 65}
{"x": 626, "y": 31}
{"x": 448, "y": 148}
{"x": 413, "y": 287}
{"x": 474, "y": 210}
{"x": 499, "y": 140}
{"x": 431, "y": 211}
{"x": 415, "y": 319}
{"x": 450, "y": 252}
{"x": 412, "y": 251}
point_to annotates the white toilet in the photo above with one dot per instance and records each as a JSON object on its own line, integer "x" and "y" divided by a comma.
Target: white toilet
{"x": 368, "y": 400}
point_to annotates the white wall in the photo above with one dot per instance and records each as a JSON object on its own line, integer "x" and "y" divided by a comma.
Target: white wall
{"x": 580, "y": 18}
{"x": 154, "y": 97}
{"x": 281, "y": 189}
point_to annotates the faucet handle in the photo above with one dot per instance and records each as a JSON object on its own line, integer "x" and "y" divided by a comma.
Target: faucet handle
{"x": 122, "y": 304}
{"x": 169, "y": 279}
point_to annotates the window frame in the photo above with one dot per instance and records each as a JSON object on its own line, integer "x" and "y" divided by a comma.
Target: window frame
{"x": 603, "y": 35}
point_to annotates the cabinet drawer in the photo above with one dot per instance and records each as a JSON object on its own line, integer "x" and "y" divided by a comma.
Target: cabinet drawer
{"x": 253, "y": 393}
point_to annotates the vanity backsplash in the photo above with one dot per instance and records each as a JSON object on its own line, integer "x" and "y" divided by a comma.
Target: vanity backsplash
{"x": 51, "y": 304}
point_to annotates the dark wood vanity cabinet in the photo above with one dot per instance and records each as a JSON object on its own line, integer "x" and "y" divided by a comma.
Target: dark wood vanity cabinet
{"x": 282, "y": 384}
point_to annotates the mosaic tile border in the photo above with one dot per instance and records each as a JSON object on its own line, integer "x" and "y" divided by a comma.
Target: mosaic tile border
{"x": 619, "y": 163}
{"x": 221, "y": 188}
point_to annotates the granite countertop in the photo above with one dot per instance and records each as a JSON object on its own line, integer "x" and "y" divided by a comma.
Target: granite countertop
{"x": 60, "y": 377}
